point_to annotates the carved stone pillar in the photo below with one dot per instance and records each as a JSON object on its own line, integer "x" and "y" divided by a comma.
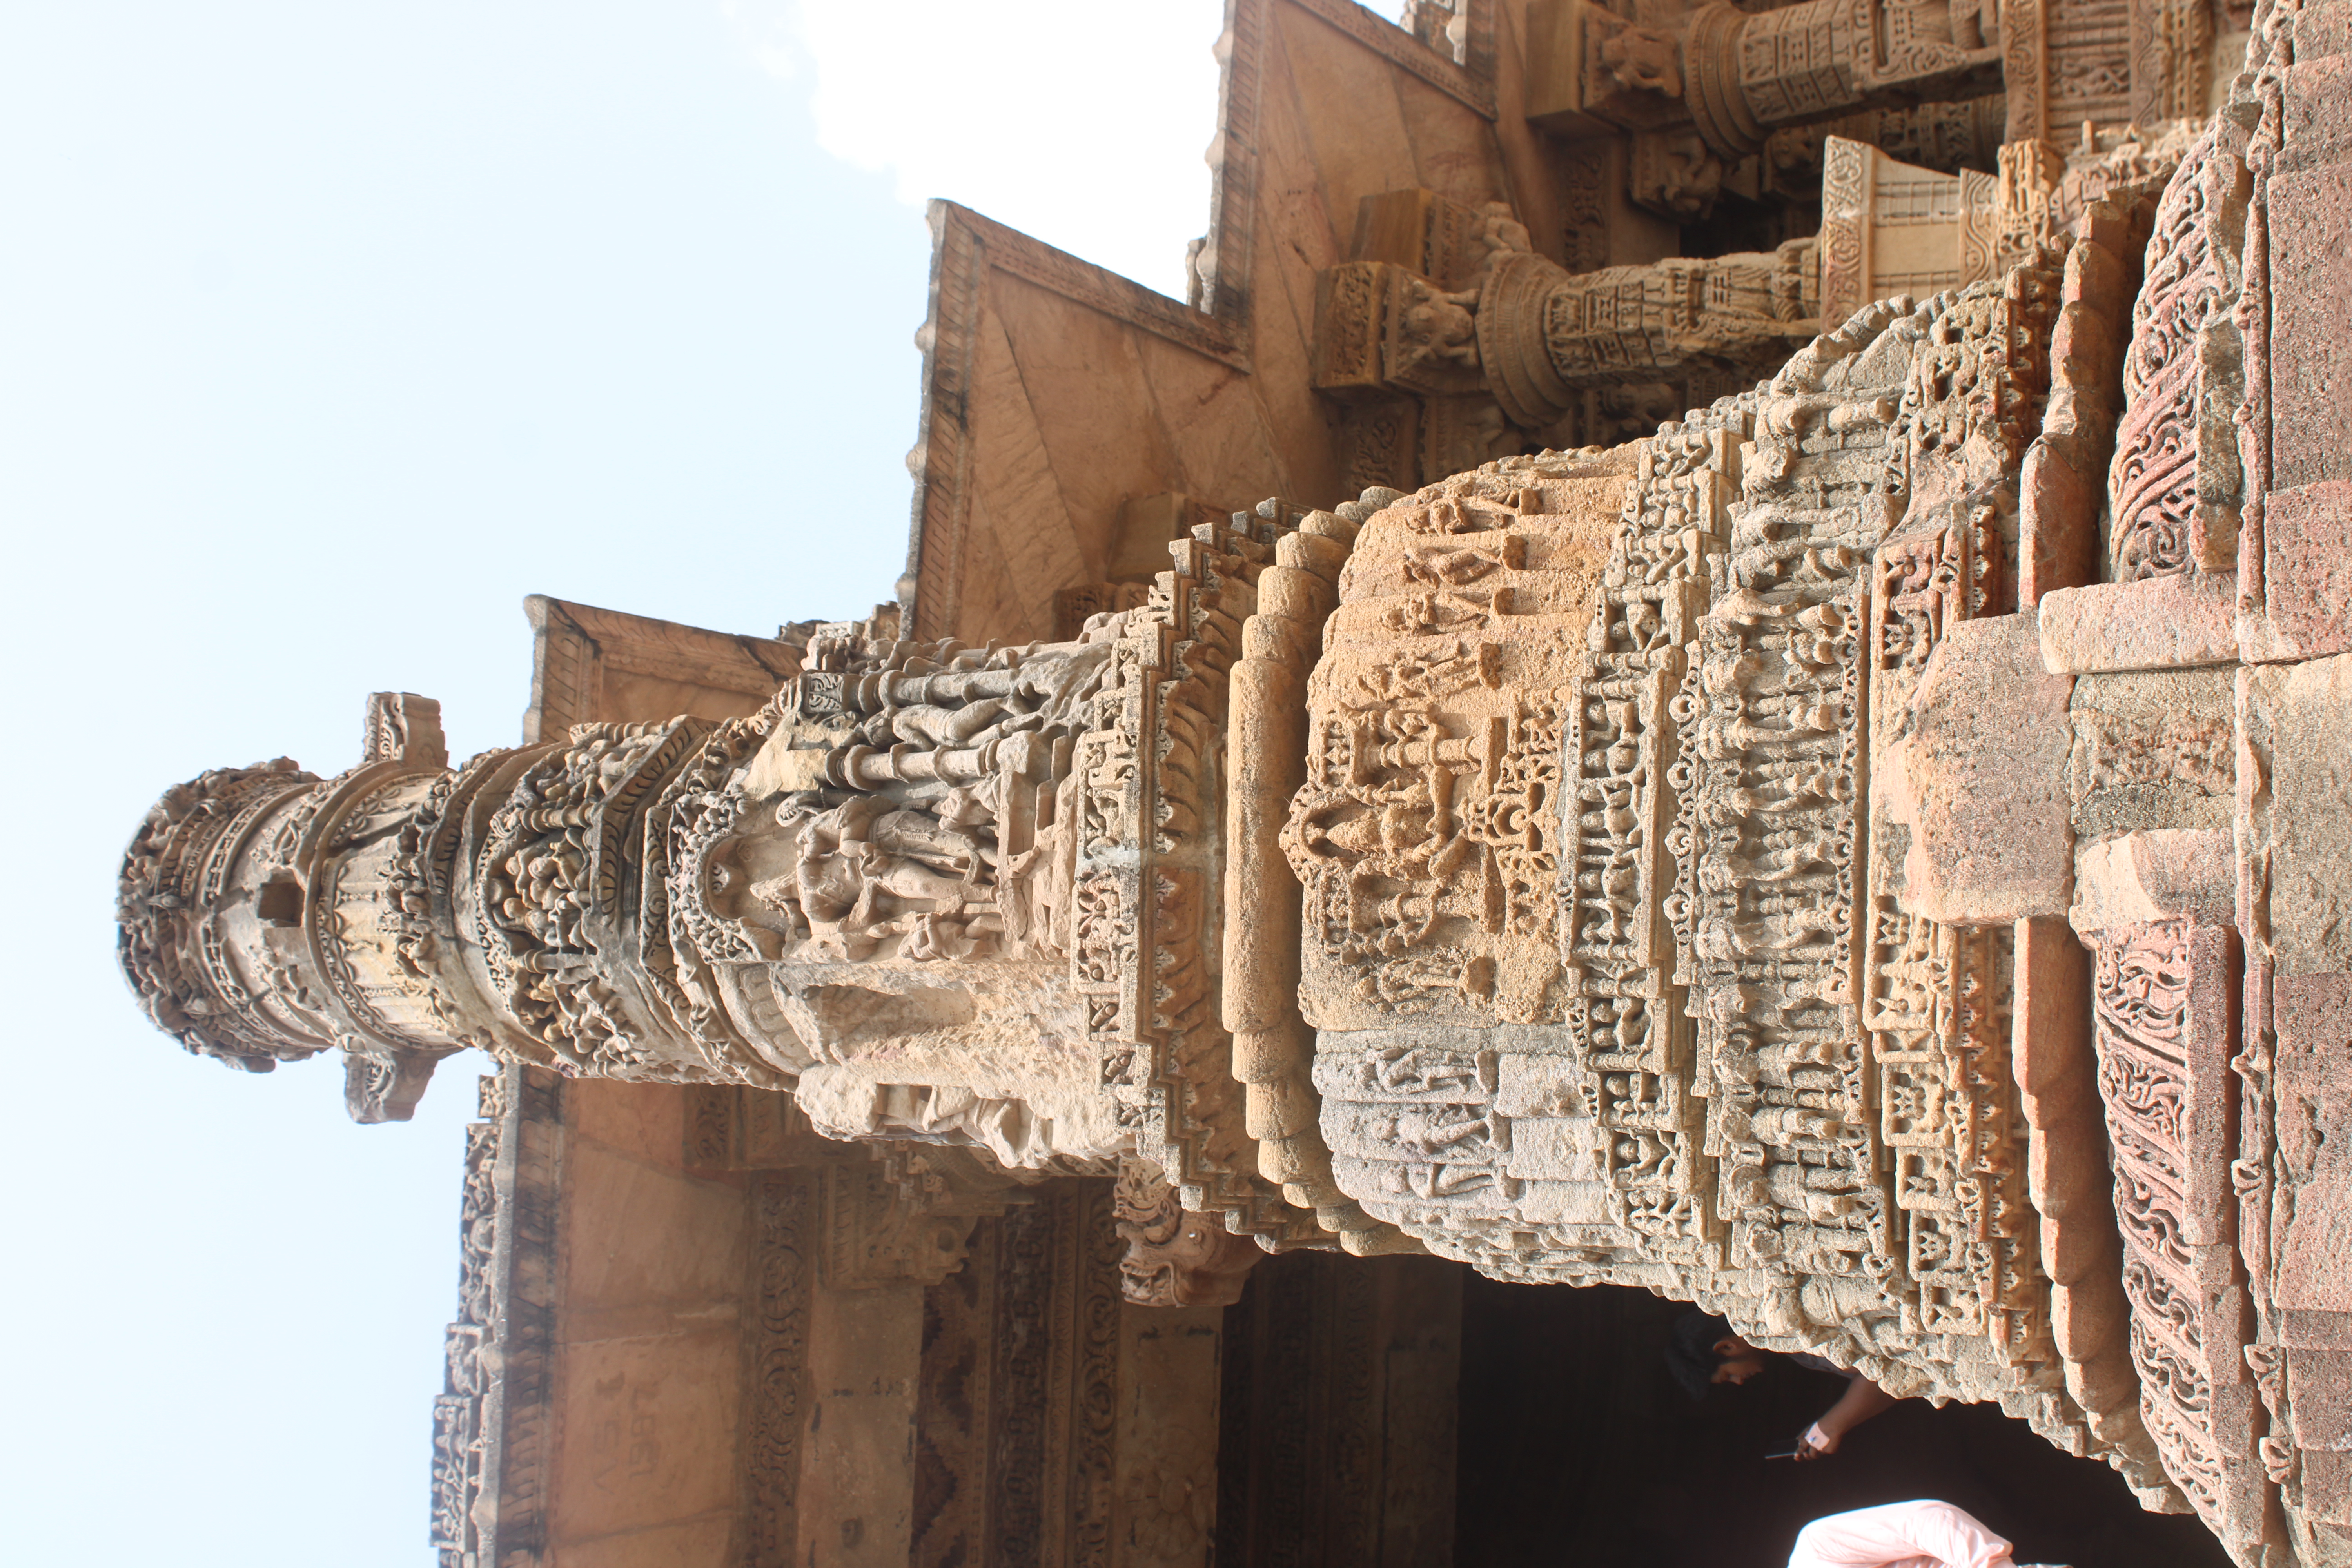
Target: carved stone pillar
{"x": 944, "y": 895}
{"x": 1734, "y": 75}
{"x": 1533, "y": 337}
{"x": 1672, "y": 1014}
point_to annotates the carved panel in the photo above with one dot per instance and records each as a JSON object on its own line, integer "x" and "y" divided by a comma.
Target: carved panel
{"x": 1889, "y": 229}
{"x": 2165, "y": 998}
{"x": 784, "y": 1250}
{"x": 955, "y": 1424}
{"x": 1052, "y": 1382}
{"x": 1148, "y": 885}
{"x": 2173, "y": 489}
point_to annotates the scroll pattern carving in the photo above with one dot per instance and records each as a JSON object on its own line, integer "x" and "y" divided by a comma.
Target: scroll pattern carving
{"x": 2164, "y": 992}
{"x": 2173, "y": 488}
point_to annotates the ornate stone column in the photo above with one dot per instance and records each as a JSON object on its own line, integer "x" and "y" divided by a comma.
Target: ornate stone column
{"x": 961, "y": 896}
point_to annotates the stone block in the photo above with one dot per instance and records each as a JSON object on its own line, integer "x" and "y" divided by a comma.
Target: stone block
{"x": 2103, "y": 1384}
{"x": 2308, "y": 566}
{"x": 1271, "y": 1054}
{"x": 1301, "y": 1162}
{"x": 2163, "y": 874}
{"x": 1312, "y": 553}
{"x": 2323, "y": 29}
{"x": 2312, "y": 1017}
{"x": 1295, "y": 593}
{"x": 1981, "y": 780}
{"x": 2310, "y": 710}
{"x": 1284, "y": 1109}
{"x": 2050, "y": 1016}
{"x": 2088, "y": 1319}
{"x": 2058, "y": 536}
{"x": 647, "y": 1242}
{"x": 2157, "y": 622}
{"x": 2319, "y": 1395}
{"x": 2311, "y": 371}
{"x": 2077, "y": 1248}
{"x": 2327, "y": 1499}
{"x": 644, "y": 1120}
{"x": 1267, "y": 738}
{"x": 2066, "y": 1173}
{"x": 648, "y": 1431}
{"x": 2153, "y": 749}
{"x": 2318, "y": 133}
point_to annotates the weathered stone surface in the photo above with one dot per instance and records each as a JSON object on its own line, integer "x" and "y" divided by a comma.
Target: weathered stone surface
{"x": 1988, "y": 743}
{"x": 2310, "y": 277}
{"x": 2308, "y": 566}
{"x": 2161, "y": 874}
{"x": 2313, "y": 1016}
{"x": 2157, "y": 622}
{"x": 2153, "y": 750}
{"x": 2310, "y": 710}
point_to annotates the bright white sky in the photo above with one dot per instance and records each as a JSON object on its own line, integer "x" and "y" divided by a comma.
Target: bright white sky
{"x": 327, "y": 332}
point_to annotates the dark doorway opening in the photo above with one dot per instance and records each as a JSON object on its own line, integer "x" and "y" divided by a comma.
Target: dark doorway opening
{"x": 1576, "y": 1446}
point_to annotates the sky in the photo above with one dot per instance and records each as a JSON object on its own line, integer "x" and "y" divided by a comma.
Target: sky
{"x": 329, "y": 331}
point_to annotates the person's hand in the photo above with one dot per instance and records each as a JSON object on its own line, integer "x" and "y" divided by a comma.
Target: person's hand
{"x": 1816, "y": 1443}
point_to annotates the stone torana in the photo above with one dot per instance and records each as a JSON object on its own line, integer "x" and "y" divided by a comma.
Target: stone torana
{"x": 1784, "y": 738}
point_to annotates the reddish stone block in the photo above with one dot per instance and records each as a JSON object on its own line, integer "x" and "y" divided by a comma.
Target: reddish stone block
{"x": 2308, "y": 566}
{"x": 2077, "y": 1249}
{"x": 2087, "y": 1321}
{"x": 2209, "y": 1115}
{"x": 2067, "y": 1173}
{"x": 2058, "y": 528}
{"x": 2327, "y": 1499}
{"x": 2312, "y": 1017}
{"x": 1982, "y": 779}
{"x": 2157, "y": 622}
{"x": 2319, "y": 1395}
{"x": 2311, "y": 371}
{"x": 2321, "y": 30}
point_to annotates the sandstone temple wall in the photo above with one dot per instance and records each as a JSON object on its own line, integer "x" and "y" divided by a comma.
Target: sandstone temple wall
{"x": 1712, "y": 657}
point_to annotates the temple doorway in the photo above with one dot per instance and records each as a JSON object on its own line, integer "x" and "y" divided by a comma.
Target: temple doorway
{"x": 1576, "y": 1446}
{"x": 1407, "y": 1413}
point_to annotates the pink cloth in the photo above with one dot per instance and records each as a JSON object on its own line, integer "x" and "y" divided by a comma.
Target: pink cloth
{"x": 1919, "y": 1535}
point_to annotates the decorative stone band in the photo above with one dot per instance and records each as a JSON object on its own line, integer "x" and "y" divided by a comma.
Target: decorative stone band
{"x": 2167, "y": 998}
{"x": 1610, "y": 983}
{"x": 2176, "y": 486}
{"x": 1274, "y": 1050}
{"x": 1149, "y": 882}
